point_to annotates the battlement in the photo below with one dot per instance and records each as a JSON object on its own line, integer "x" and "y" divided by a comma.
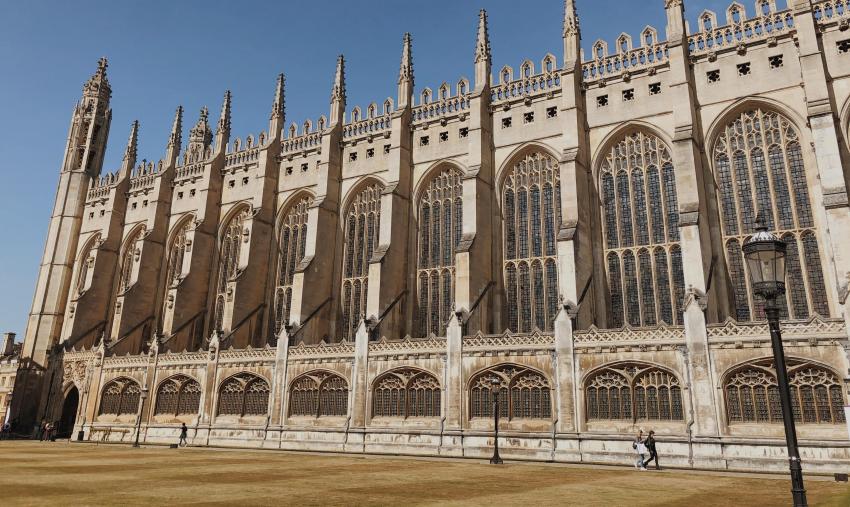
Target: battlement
{"x": 769, "y": 23}
{"x": 444, "y": 105}
{"x": 144, "y": 175}
{"x": 241, "y": 154}
{"x": 101, "y": 186}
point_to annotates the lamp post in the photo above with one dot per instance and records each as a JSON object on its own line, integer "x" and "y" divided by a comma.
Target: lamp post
{"x": 495, "y": 387}
{"x": 765, "y": 254}
{"x": 142, "y": 397}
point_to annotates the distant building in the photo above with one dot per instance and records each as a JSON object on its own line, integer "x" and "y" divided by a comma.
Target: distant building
{"x": 9, "y": 353}
{"x": 572, "y": 227}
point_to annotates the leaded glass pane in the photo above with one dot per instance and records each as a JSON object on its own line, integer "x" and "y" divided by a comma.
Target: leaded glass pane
{"x": 631, "y": 283}
{"x": 364, "y": 219}
{"x": 814, "y": 274}
{"x": 647, "y": 290}
{"x": 639, "y": 195}
{"x": 616, "y": 288}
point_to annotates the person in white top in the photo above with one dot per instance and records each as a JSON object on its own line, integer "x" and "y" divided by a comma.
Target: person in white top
{"x": 639, "y": 446}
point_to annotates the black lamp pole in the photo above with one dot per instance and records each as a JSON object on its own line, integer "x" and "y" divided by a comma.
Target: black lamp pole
{"x": 765, "y": 255}
{"x": 495, "y": 387}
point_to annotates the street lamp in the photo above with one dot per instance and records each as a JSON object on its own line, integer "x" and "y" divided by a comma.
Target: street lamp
{"x": 765, "y": 254}
{"x": 142, "y": 399}
{"x": 495, "y": 388}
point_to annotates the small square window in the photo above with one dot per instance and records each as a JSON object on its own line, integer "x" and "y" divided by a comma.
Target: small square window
{"x": 133, "y": 205}
{"x": 602, "y": 101}
{"x": 444, "y": 136}
{"x": 244, "y": 181}
{"x": 506, "y": 122}
{"x": 102, "y": 212}
{"x": 386, "y": 149}
{"x": 843, "y": 46}
{"x": 628, "y": 95}
{"x": 91, "y": 214}
{"x": 528, "y": 117}
{"x": 655, "y": 89}
{"x": 463, "y": 132}
{"x": 304, "y": 167}
{"x": 352, "y": 156}
{"x": 191, "y": 193}
{"x": 776, "y": 61}
{"x": 289, "y": 170}
{"x": 370, "y": 152}
{"x": 231, "y": 183}
{"x": 145, "y": 204}
{"x": 744, "y": 69}
{"x": 713, "y": 76}
{"x": 424, "y": 141}
{"x": 551, "y": 112}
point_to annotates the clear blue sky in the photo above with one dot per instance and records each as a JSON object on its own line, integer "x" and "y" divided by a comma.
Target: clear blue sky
{"x": 165, "y": 52}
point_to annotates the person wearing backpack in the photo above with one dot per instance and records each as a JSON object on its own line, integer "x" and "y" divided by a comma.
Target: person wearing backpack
{"x": 640, "y": 448}
{"x": 650, "y": 447}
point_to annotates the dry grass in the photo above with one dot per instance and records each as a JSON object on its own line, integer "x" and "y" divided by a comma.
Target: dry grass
{"x": 80, "y": 474}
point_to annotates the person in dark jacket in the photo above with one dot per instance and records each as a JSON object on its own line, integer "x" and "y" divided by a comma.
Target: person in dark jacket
{"x": 653, "y": 454}
{"x": 184, "y": 432}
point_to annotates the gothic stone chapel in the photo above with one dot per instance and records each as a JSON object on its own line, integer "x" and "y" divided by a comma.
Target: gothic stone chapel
{"x": 572, "y": 227}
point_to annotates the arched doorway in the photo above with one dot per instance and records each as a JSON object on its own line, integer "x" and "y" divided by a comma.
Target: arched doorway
{"x": 69, "y": 413}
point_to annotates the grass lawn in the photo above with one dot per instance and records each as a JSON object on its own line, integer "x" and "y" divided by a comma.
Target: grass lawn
{"x": 35, "y": 473}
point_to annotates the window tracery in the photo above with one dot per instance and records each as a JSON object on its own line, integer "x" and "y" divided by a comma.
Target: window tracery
{"x": 362, "y": 223}
{"x": 291, "y": 246}
{"x": 178, "y": 395}
{"x": 405, "y": 393}
{"x": 767, "y": 175}
{"x": 641, "y": 231}
{"x": 525, "y": 393}
{"x": 120, "y": 397}
{"x": 228, "y": 262}
{"x": 440, "y": 229}
{"x": 752, "y": 394}
{"x": 319, "y": 394}
{"x": 633, "y": 392}
{"x": 85, "y": 264}
{"x": 243, "y": 394}
{"x": 531, "y": 202}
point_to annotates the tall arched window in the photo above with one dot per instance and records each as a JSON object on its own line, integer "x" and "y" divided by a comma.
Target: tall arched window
{"x": 641, "y": 229}
{"x": 319, "y": 394}
{"x": 120, "y": 397}
{"x": 406, "y": 392}
{"x": 752, "y": 394}
{"x": 633, "y": 392}
{"x": 758, "y": 163}
{"x": 362, "y": 223}
{"x": 292, "y": 242}
{"x": 230, "y": 246}
{"x": 243, "y": 394}
{"x": 176, "y": 253}
{"x": 531, "y": 210}
{"x": 178, "y": 395}
{"x": 440, "y": 230}
{"x": 525, "y": 393}
{"x": 128, "y": 259}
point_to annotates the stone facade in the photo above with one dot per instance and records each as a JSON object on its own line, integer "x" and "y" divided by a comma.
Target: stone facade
{"x": 9, "y": 352}
{"x": 571, "y": 228}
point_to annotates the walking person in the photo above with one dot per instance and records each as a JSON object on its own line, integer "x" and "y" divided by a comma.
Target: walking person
{"x": 6, "y": 431}
{"x": 650, "y": 447}
{"x": 640, "y": 448}
{"x": 184, "y": 431}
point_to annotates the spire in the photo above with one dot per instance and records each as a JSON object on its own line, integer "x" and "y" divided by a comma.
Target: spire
{"x": 176, "y": 137}
{"x": 222, "y": 132}
{"x": 482, "y": 53}
{"x": 675, "y": 21}
{"x": 131, "y": 150}
{"x": 278, "y": 116}
{"x": 200, "y": 137}
{"x": 338, "y": 93}
{"x": 571, "y": 35}
{"x": 405, "y": 74}
{"x": 97, "y": 86}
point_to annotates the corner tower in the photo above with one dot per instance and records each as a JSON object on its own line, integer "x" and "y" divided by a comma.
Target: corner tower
{"x": 82, "y": 162}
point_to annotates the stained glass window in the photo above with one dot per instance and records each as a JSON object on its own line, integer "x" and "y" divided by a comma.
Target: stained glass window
{"x": 120, "y": 397}
{"x": 405, "y": 393}
{"x": 243, "y": 394}
{"x": 526, "y": 393}
{"x": 361, "y": 237}
{"x": 318, "y": 394}
{"x": 643, "y": 212}
{"x": 178, "y": 395}
{"x": 633, "y": 392}
{"x": 765, "y": 183}
{"x": 292, "y": 240}
{"x": 752, "y": 394}
{"x": 128, "y": 259}
{"x": 440, "y": 225}
{"x": 230, "y": 246}
{"x": 531, "y": 222}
